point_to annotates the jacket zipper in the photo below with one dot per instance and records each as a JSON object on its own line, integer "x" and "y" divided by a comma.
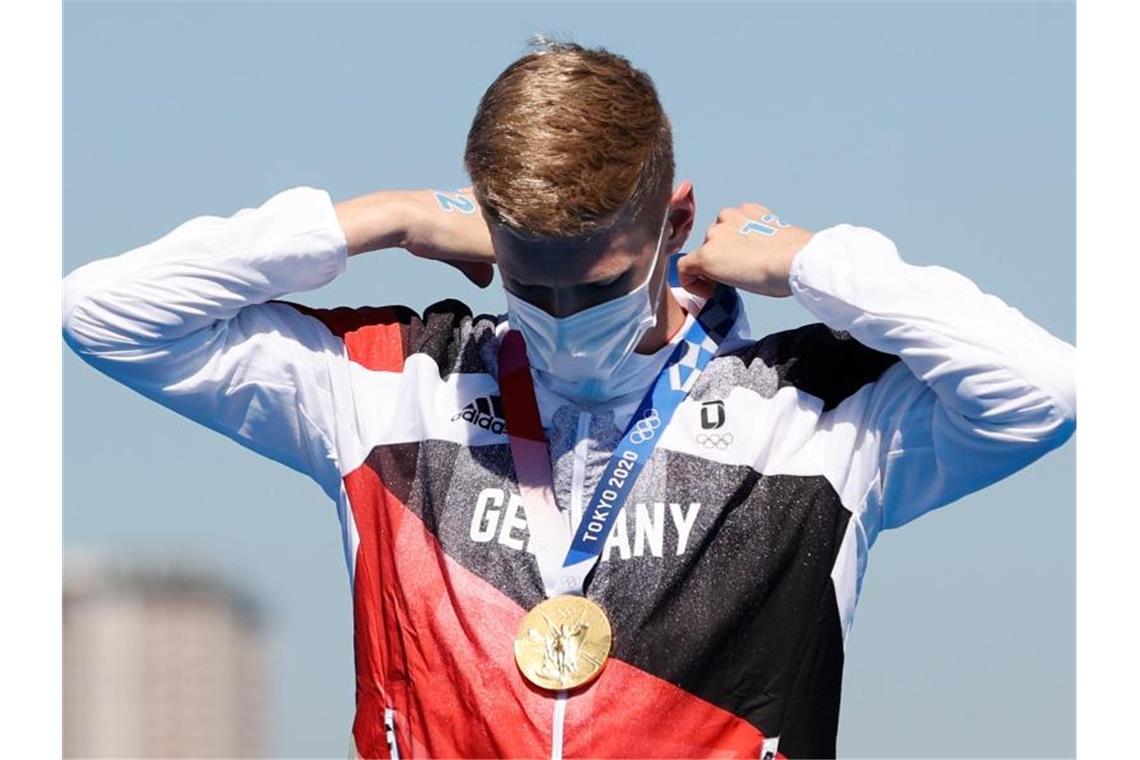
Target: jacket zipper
{"x": 578, "y": 476}
{"x": 390, "y": 733}
{"x": 577, "y": 507}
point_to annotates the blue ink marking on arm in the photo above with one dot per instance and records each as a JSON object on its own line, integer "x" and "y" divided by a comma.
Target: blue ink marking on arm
{"x": 460, "y": 203}
{"x": 771, "y": 219}
{"x": 752, "y": 226}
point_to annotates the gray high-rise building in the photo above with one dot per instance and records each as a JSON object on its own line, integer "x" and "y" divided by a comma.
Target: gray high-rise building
{"x": 161, "y": 658}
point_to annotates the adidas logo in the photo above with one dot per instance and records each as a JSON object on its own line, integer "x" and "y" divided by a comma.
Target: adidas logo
{"x": 485, "y": 412}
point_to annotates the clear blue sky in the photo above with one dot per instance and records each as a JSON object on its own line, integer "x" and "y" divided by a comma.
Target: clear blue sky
{"x": 949, "y": 127}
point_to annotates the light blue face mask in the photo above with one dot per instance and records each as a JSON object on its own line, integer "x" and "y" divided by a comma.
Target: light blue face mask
{"x": 586, "y": 354}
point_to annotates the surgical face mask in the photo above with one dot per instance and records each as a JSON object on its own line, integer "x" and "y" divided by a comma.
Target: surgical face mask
{"x": 585, "y": 353}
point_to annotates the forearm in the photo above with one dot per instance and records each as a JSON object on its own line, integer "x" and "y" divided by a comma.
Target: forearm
{"x": 986, "y": 361}
{"x": 191, "y": 321}
{"x": 205, "y": 270}
{"x": 375, "y": 221}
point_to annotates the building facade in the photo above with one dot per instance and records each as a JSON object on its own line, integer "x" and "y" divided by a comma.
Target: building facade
{"x": 161, "y": 658}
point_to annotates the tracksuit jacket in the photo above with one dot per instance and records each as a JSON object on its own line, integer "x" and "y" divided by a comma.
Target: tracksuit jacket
{"x": 732, "y": 573}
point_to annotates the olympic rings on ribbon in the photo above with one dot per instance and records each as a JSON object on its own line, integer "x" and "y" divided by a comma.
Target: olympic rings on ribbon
{"x": 719, "y": 441}
{"x": 645, "y": 428}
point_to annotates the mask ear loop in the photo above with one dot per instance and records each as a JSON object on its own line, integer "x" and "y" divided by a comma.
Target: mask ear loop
{"x": 656, "y": 301}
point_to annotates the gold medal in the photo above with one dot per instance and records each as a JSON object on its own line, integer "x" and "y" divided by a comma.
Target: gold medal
{"x": 563, "y": 642}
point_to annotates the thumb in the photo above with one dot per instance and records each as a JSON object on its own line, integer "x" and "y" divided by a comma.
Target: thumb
{"x": 479, "y": 272}
{"x": 692, "y": 275}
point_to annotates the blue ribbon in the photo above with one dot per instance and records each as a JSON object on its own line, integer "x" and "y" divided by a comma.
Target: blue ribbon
{"x": 653, "y": 414}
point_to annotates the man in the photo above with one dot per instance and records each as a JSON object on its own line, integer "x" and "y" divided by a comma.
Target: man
{"x": 608, "y": 523}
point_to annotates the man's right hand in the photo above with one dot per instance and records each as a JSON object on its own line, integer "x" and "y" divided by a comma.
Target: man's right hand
{"x": 431, "y": 224}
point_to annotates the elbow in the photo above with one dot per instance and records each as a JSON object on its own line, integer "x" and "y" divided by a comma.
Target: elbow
{"x": 1064, "y": 394}
{"x": 88, "y": 324}
{"x": 80, "y": 334}
{"x": 1034, "y": 418}
{"x": 72, "y": 296}
{"x": 1064, "y": 424}
{"x": 1052, "y": 419}
{"x": 1056, "y": 418}
{"x": 1066, "y": 415}
{"x": 1050, "y": 403}
{"x": 80, "y": 330}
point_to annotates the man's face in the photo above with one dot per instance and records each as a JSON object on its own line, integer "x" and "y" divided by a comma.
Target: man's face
{"x": 565, "y": 278}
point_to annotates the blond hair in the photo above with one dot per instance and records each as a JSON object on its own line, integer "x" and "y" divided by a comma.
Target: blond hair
{"x": 570, "y": 142}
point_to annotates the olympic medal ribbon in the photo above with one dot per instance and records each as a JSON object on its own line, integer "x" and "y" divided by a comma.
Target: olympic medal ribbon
{"x": 672, "y": 385}
{"x": 549, "y": 532}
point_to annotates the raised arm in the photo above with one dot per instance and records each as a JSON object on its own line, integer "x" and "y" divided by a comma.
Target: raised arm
{"x": 190, "y": 320}
{"x": 184, "y": 321}
{"x": 980, "y": 392}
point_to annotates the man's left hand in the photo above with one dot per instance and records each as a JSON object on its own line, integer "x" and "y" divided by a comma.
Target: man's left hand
{"x": 748, "y": 247}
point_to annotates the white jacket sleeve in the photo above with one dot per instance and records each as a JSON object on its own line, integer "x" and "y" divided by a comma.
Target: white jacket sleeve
{"x": 980, "y": 391}
{"x": 185, "y": 321}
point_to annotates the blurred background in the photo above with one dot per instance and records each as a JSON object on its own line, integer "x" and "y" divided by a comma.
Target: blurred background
{"x": 207, "y": 607}
{"x": 163, "y": 656}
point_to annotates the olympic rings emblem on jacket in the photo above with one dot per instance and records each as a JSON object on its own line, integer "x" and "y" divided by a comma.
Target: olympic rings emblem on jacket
{"x": 646, "y": 427}
{"x": 720, "y": 441}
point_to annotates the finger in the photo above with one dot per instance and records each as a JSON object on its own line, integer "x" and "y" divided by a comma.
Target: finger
{"x": 730, "y": 215}
{"x": 693, "y": 277}
{"x": 480, "y": 273}
{"x": 699, "y": 286}
{"x": 755, "y": 210}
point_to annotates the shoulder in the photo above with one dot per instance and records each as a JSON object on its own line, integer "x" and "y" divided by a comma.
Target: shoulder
{"x": 386, "y": 337}
{"x": 813, "y": 358}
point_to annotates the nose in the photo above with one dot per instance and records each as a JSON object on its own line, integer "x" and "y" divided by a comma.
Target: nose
{"x": 562, "y": 302}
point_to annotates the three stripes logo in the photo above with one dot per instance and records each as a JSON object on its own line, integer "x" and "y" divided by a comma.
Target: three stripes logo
{"x": 484, "y": 412}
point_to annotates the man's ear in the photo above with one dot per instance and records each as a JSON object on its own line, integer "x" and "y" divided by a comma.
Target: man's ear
{"x": 682, "y": 217}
